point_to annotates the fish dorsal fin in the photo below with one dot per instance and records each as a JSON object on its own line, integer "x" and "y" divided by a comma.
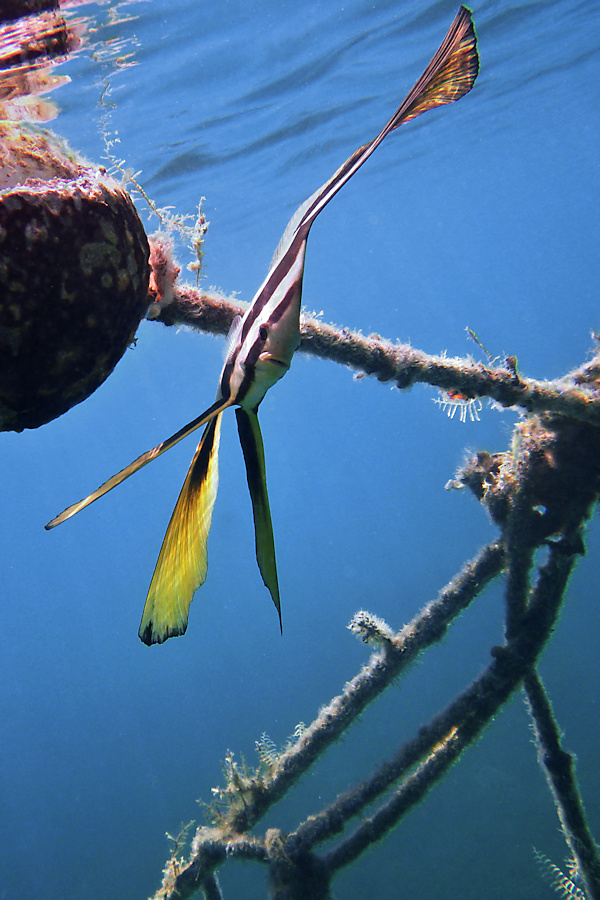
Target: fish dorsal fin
{"x": 291, "y": 229}
{"x": 232, "y": 335}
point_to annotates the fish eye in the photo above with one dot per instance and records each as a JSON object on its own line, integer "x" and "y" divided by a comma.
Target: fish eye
{"x": 263, "y": 332}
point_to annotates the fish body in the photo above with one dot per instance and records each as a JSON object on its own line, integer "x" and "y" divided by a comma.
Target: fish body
{"x": 260, "y": 349}
{"x": 267, "y": 336}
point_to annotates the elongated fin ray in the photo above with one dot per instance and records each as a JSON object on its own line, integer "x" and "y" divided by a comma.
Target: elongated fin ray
{"x": 182, "y": 563}
{"x": 449, "y": 76}
{"x": 254, "y": 457}
{"x": 141, "y": 461}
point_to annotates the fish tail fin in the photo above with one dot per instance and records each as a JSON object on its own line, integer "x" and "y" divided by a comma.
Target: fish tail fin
{"x": 449, "y": 76}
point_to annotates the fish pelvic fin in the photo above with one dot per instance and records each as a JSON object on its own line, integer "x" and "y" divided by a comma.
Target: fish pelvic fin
{"x": 140, "y": 462}
{"x": 254, "y": 458}
{"x": 182, "y": 563}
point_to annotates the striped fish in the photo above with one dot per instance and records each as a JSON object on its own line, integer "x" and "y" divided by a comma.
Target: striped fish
{"x": 260, "y": 349}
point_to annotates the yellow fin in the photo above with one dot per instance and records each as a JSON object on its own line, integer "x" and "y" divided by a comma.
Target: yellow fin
{"x": 182, "y": 563}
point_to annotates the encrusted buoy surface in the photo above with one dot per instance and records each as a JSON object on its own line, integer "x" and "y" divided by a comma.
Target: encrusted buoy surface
{"x": 73, "y": 277}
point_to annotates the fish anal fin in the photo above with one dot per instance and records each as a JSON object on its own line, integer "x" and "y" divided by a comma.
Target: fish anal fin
{"x": 153, "y": 634}
{"x": 182, "y": 563}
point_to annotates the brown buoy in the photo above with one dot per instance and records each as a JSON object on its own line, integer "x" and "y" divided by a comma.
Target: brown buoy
{"x": 73, "y": 277}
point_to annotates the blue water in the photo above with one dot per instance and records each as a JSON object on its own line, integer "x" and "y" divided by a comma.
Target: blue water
{"x": 482, "y": 214}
